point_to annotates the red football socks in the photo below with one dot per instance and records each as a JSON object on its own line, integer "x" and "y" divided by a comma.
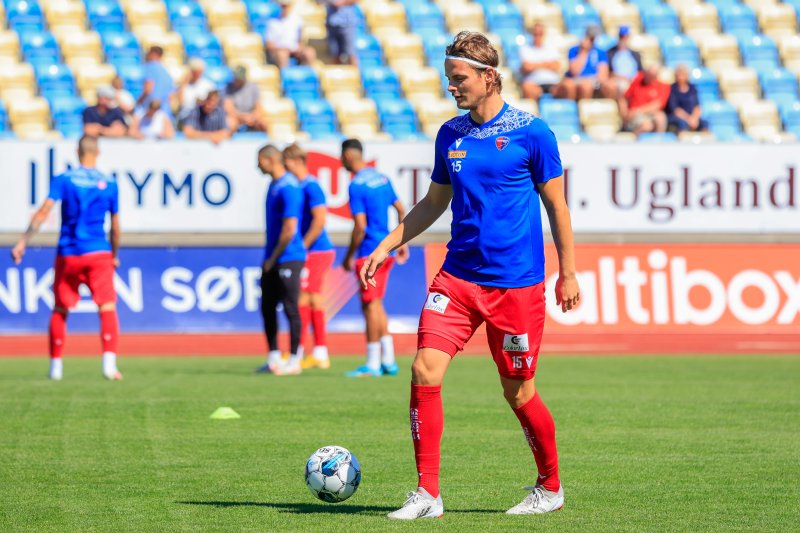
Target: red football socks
{"x": 318, "y": 322}
{"x": 540, "y": 431}
{"x": 109, "y": 330}
{"x": 58, "y": 334}
{"x": 427, "y": 425}
{"x": 305, "y": 320}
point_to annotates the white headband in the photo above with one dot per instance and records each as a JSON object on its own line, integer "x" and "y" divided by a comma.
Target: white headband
{"x": 471, "y": 62}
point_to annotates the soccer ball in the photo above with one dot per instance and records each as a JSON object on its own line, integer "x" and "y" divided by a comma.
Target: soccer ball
{"x": 332, "y": 474}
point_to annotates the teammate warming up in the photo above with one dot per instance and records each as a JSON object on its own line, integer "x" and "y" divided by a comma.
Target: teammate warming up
{"x": 84, "y": 255}
{"x": 284, "y": 257}
{"x": 318, "y": 261}
{"x": 371, "y": 196}
{"x": 495, "y": 163}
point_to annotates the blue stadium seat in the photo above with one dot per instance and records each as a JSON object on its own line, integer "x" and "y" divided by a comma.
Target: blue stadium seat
{"x": 434, "y": 43}
{"x": 187, "y": 17}
{"x": 398, "y": 118}
{"x": 790, "y": 114}
{"x": 24, "y": 16}
{"x": 667, "y": 137}
{"x": 680, "y": 49}
{"x": 739, "y": 20}
{"x": 3, "y": 117}
{"x": 606, "y": 42}
{"x": 259, "y": 13}
{"x": 660, "y": 20}
{"x": 503, "y": 17}
{"x": 645, "y": 4}
{"x": 317, "y": 118}
{"x": 380, "y": 82}
{"x": 780, "y": 86}
{"x": 67, "y": 115}
{"x": 369, "y": 50}
{"x": 105, "y": 16}
{"x": 121, "y": 48}
{"x": 424, "y": 16}
{"x": 55, "y": 81}
{"x": 567, "y": 5}
{"x": 577, "y": 18}
{"x": 512, "y": 41}
{"x": 561, "y": 116}
{"x": 759, "y": 52}
{"x": 205, "y": 45}
{"x": 706, "y": 82}
{"x": 39, "y": 47}
{"x": 723, "y": 120}
{"x": 133, "y": 78}
{"x": 219, "y": 75}
{"x": 723, "y": 5}
{"x": 795, "y": 4}
{"x": 300, "y": 83}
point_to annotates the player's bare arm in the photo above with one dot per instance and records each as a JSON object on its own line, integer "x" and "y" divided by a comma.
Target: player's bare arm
{"x": 403, "y": 253}
{"x": 37, "y": 220}
{"x": 356, "y": 238}
{"x": 318, "y": 215}
{"x": 567, "y": 290}
{"x": 114, "y": 238}
{"x": 288, "y": 229}
{"x": 420, "y": 218}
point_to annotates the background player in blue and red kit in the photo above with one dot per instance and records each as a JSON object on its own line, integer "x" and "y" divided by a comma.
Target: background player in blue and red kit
{"x": 318, "y": 261}
{"x": 284, "y": 257}
{"x": 495, "y": 163}
{"x": 371, "y": 197}
{"x": 84, "y": 255}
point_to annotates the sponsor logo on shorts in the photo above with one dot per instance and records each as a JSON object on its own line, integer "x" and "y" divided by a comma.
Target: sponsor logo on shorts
{"x": 516, "y": 343}
{"x": 437, "y": 302}
{"x": 456, "y": 154}
{"x": 501, "y": 142}
{"x": 285, "y": 273}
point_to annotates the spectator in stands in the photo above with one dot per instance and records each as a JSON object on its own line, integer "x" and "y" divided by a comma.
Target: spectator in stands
{"x": 208, "y": 121}
{"x": 102, "y": 120}
{"x": 540, "y": 65}
{"x": 588, "y": 69}
{"x": 624, "y": 65}
{"x": 341, "y": 23}
{"x": 152, "y": 123}
{"x": 683, "y": 105}
{"x": 123, "y": 99}
{"x": 193, "y": 89}
{"x": 158, "y": 84}
{"x": 243, "y": 102}
{"x": 646, "y": 98}
{"x": 284, "y": 39}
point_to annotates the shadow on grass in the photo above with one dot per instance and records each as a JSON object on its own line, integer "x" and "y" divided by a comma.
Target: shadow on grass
{"x": 320, "y": 508}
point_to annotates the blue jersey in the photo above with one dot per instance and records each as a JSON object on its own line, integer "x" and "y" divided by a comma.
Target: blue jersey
{"x": 372, "y": 194}
{"x": 313, "y": 197}
{"x": 86, "y": 196}
{"x": 284, "y": 200}
{"x": 496, "y": 234}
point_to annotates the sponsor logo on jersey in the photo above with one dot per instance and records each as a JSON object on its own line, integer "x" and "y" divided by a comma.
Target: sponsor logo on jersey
{"x": 437, "y": 302}
{"x": 456, "y": 154}
{"x": 501, "y": 142}
{"x": 515, "y": 342}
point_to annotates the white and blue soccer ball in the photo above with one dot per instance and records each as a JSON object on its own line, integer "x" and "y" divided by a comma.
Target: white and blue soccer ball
{"x": 333, "y": 474}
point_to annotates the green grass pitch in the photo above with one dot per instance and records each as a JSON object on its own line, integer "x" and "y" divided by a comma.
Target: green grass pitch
{"x": 647, "y": 444}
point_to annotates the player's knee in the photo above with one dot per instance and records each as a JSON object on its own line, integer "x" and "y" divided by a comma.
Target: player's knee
{"x": 110, "y": 306}
{"x": 518, "y": 393}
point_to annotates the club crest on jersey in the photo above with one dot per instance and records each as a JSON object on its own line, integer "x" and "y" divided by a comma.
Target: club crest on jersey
{"x": 515, "y": 342}
{"x": 437, "y": 302}
{"x": 102, "y": 185}
{"x": 501, "y": 142}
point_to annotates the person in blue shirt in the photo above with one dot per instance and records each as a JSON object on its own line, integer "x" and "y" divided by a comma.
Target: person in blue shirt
{"x": 341, "y": 23}
{"x": 158, "y": 83}
{"x": 371, "y": 197}
{"x": 588, "y": 69}
{"x": 103, "y": 120}
{"x": 493, "y": 166}
{"x": 319, "y": 260}
{"x": 683, "y": 105}
{"x": 284, "y": 257}
{"x": 84, "y": 255}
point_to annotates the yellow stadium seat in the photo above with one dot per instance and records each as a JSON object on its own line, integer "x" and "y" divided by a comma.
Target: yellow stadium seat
{"x": 777, "y": 20}
{"x": 435, "y": 111}
{"x": 648, "y": 47}
{"x": 279, "y": 110}
{"x": 65, "y": 13}
{"x": 761, "y": 120}
{"x": 313, "y": 16}
{"x": 81, "y": 47}
{"x": 525, "y": 104}
{"x": 17, "y": 79}
{"x": 756, "y": 4}
{"x": 467, "y": 16}
{"x": 243, "y": 45}
{"x": 9, "y": 47}
{"x": 29, "y": 116}
{"x": 147, "y": 13}
{"x": 424, "y": 80}
{"x": 789, "y": 46}
{"x": 680, "y": 4}
{"x": 406, "y": 47}
{"x": 267, "y": 77}
{"x": 699, "y": 20}
{"x": 340, "y": 81}
{"x": 739, "y": 85}
{"x": 385, "y": 16}
{"x": 615, "y": 15}
{"x": 358, "y": 118}
{"x": 90, "y": 77}
{"x": 510, "y": 86}
{"x": 226, "y": 16}
{"x": 720, "y": 51}
{"x": 548, "y": 14}
{"x": 171, "y": 42}
{"x": 600, "y": 118}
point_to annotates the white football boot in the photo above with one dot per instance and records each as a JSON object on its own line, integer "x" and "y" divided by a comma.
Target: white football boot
{"x": 419, "y": 504}
{"x": 539, "y": 501}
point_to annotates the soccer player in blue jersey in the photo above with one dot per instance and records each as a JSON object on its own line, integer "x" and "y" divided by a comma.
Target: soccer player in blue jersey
{"x": 318, "y": 261}
{"x": 84, "y": 255}
{"x": 284, "y": 257}
{"x": 495, "y": 163}
{"x": 371, "y": 197}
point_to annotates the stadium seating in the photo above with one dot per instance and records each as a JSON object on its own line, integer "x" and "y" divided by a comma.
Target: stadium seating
{"x": 55, "y": 80}
{"x": 723, "y": 120}
{"x": 317, "y": 118}
{"x": 398, "y": 118}
{"x": 105, "y": 16}
{"x": 562, "y": 117}
{"x": 300, "y": 82}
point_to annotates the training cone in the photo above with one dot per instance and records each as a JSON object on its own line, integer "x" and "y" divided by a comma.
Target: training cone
{"x": 224, "y": 413}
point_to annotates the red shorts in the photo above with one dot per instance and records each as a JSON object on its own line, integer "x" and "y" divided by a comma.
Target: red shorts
{"x": 514, "y": 320}
{"x": 313, "y": 274}
{"x": 95, "y": 270}
{"x": 381, "y": 279}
